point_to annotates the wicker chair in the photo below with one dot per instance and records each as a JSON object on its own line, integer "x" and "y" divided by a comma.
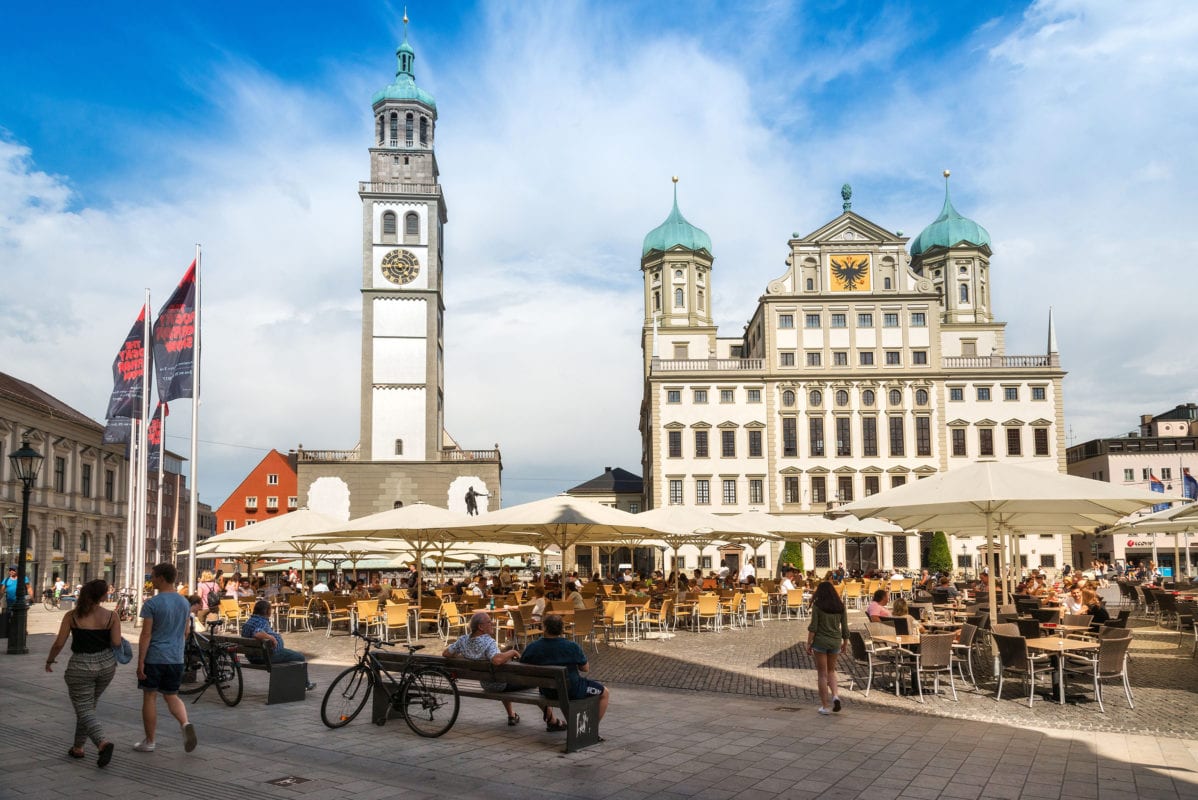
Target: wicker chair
{"x": 935, "y": 657}
{"x": 871, "y": 658}
{"x": 963, "y": 652}
{"x": 1109, "y": 662}
{"x": 1014, "y": 657}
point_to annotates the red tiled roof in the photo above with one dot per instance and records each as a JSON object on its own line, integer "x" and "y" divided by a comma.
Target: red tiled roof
{"x": 28, "y": 395}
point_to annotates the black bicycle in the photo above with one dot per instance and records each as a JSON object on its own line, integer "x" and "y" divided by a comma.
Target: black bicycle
{"x": 50, "y": 599}
{"x": 209, "y": 663}
{"x": 426, "y": 697}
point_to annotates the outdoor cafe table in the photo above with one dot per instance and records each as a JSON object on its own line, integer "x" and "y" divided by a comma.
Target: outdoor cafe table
{"x": 1058, "y": 647}
{"x": 902, "y": 640}
{"x": 1063, "y": 630}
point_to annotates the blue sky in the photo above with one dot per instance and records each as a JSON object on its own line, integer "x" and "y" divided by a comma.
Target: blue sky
{"x": 129, "y": 132}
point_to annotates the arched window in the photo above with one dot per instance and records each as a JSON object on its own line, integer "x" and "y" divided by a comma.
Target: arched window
{"x": 389, "y": 227}
{"x": 380, "y": 129}
{"x": 867, "y": 397}
{"x": 84, "y": 542}
{"x": 424, "y": 130}
{"x": 657, "y": 301}
{"x": 788, "y": 398}
{"x": 842, "y": 397}
{"x": 811, "y": 284}
{"x": 678, "y": 298}
{"x": 394, "y": 139}
{"x": 699, "y": 300}
{"x": 108, "y": 543}
{"x": 921, "y": 397}
{"x": 407, "y": 130}
{"x": 965, "y": 293}
{"x": 411, "y": 228}
{"x": 816, "y": 397}
{"x": 399, "y": 447}
{"x": 886, "y": 283}
{"x": 896, "y": 397}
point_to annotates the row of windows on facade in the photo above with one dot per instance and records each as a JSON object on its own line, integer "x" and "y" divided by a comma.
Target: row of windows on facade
{"x": 411, "y": 228}
{"x": 387, "y": 129}
{"x": 683, "y": 563}
{"x": 868, "y": 441}
{"x": 58, "y": 538}
{"x": 272, "y": 502}
{"x": 818, "y": 487}
{"x": 815, "y": 398}
{"x": 890, "y": 319}
{"x": 1146, "y": 474}
{"x": 679, "y": 300}
{"x": 59, "y": 479}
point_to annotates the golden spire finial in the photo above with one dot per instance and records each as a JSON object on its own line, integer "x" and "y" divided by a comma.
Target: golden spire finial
{"x": 405, "y": 15}
{"x": 674, "y": 178}
{"x": 947, "y": 173}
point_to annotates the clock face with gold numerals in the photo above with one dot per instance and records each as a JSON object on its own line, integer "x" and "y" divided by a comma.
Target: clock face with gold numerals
{"x": 849, "y": 273}
{"x": 400, "y": 266}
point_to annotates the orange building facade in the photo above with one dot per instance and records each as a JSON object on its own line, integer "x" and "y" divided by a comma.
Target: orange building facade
{"x": 268, "y": 491}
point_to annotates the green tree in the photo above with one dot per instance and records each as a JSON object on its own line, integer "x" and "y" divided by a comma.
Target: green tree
{"x": 792, "y": 553}
{"x": 940, "y": 558}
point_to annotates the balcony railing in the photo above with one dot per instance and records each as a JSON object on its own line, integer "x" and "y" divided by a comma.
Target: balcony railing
{"x": 469, "y": 455}
{"x": 394, "y": 187}
{"x": 355, "y": 455}
{"x": 989, "y": 362}
{"x": 327, "y": 455}
{"x": 706, "y": 364}
{"x": 410, "y": 144}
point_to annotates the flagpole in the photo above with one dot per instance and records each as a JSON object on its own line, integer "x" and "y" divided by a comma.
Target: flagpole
{"x": 143, "y": 461}
{"x": 161, "y": 460}
{"x": 194, "y": 508}
{"x": 131, "y": 508}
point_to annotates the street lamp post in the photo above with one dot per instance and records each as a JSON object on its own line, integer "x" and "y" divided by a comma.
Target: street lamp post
{"x": 26, "y": 463}
{"x": 964, "y": 563}
{"x": 10, "y": 525}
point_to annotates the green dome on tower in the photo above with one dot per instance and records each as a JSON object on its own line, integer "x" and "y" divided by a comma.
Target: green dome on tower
{"x": 950, "y": 228}
{"x": 404, "y": 86}
{"x": 676, "y": 232}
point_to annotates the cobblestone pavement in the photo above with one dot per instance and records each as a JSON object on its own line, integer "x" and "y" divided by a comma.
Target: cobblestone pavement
{"x": 749, "y": 732}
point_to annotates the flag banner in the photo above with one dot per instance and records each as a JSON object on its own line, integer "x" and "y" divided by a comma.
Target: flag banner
{"x": 119, "y": 430}
{"x": 127, "y": 371}
{"x": 1189, "y": 484}
{"x": 154, "y": 437}
{"x": 1157, "y": 485}
{"x": 174, "y": 341}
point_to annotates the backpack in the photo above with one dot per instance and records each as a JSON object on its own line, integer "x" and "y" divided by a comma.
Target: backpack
{"x": 213, "y": 597}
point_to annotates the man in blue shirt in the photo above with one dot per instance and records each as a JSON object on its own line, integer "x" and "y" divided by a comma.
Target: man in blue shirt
{"x": 10, "y": 587}
{"x": 258, "y": 627}
{"x": 165, "y": 620}
{"x": 554, "y": 650}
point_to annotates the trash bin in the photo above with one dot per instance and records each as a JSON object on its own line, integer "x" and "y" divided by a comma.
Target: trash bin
{"x": 66, "y": 602}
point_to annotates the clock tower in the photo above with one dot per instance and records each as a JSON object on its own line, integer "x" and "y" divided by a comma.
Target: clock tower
{"x": 403, "y": 217}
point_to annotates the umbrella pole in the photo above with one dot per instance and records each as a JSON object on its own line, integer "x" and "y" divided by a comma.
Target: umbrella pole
{"x": 1176, "y": 559}
{"x": 990, "y": 584}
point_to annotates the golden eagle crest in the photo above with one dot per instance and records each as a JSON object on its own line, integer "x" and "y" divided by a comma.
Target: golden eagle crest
{"x": 850, "y": 273}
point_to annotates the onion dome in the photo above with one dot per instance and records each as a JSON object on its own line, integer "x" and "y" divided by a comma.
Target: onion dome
{"x": 676, "y": 232}
{"x": 949, "y": 229}
{"x": 404, "y": 86}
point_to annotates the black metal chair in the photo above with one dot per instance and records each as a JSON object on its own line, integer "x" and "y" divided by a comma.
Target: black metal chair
{"x": 1028, "y": 628}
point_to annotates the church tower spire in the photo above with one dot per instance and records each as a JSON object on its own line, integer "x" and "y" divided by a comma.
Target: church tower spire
{"x": 403, "y": 210}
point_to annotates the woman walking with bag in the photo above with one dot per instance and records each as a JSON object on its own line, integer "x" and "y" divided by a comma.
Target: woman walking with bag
{"x": 827, "y": 637}
{"x": 94, "y": 632}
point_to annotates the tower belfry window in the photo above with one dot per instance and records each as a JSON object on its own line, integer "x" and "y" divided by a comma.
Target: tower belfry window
{"x": 411, "y": 228}
{"x": 394, "y": 138}
{"x": 408, "y": 130}
{"x": 389, "y": 227}
{"x": 424, "y": 130}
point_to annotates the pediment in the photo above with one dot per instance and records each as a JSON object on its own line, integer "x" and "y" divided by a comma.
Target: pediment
{"x": 818, "y": 471}
{"x": 985, "y": 423}
{"x": 790, "y": 471}
{"x": 959, "y": 423}
{"x": 926, "y": 470}
{"x": 726, "y": 424}
{"x": 1040, "y": 423}
{"x": 701, "y": 425}
{"x": 1013, "y": 423}
{"x": 755, "y": 425}
{"x": 898, "y": 470}
{"x": 844, "y": 471}
{"x": 871, "y": 470}
{"x": 852, "y": 228}
{"x": 674, "y": 426}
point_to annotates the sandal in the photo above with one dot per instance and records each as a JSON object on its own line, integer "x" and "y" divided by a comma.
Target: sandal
{"x": 105, "y": 755}
{"x": 555, "y": 726}
{"x": 514, "y": 719}
{"x": 76, "y": 752}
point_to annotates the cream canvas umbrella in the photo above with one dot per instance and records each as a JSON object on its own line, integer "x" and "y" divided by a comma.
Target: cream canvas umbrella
{"x": 277, "y": 537}
{"x": 561, "y": 521}
{"x": 1181, "y": 518}
{"x": 682, "y": 525}
{"x": 991, "y": 494}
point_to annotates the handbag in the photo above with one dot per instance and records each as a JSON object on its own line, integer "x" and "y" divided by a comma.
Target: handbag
{"x": 123, "y": 651}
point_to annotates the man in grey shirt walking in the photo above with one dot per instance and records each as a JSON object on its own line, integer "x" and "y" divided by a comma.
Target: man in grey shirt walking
{"x": 165, "y": 618}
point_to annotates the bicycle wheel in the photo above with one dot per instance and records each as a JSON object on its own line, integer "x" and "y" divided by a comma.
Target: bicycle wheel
{"x": 346, "y": 696}
{"x": 429, "y": 701}
{"x": 49, "y": 603}
{"x": 228, "y": 678}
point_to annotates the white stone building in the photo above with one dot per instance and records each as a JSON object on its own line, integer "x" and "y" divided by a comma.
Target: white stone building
{"x": 864, "y": 365}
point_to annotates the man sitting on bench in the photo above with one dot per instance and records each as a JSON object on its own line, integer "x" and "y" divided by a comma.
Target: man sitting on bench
{"x": 554, "y": 650}
{"x": 258, "y": 627}
{"x": 480, "y": 645}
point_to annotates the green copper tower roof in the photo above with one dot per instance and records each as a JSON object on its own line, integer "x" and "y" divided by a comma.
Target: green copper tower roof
{"x": 676, "y": 232}
{"x": 404, "y": 86}
{"x": 950, "y": 228}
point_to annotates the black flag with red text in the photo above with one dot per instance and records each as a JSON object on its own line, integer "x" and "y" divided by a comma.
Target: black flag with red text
{"x": 128, "y": 369}
{"x": 174, "y": 341}
{"x": 154, "y": 437}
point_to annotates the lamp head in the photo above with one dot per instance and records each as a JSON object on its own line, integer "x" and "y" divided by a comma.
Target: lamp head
{"x": 26, "y": 462}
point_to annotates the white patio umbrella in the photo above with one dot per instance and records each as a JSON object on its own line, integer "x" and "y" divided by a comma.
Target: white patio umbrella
{"x": 561, "y": 521}
{"x": 277, "y": 537}
{"x": 1181, "y": 518}
{"x": 682, "y": 525}
{"x": 991, "y": 494}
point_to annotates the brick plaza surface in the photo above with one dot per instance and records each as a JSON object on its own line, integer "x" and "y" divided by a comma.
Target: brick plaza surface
{"x": 720, "y": 715}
